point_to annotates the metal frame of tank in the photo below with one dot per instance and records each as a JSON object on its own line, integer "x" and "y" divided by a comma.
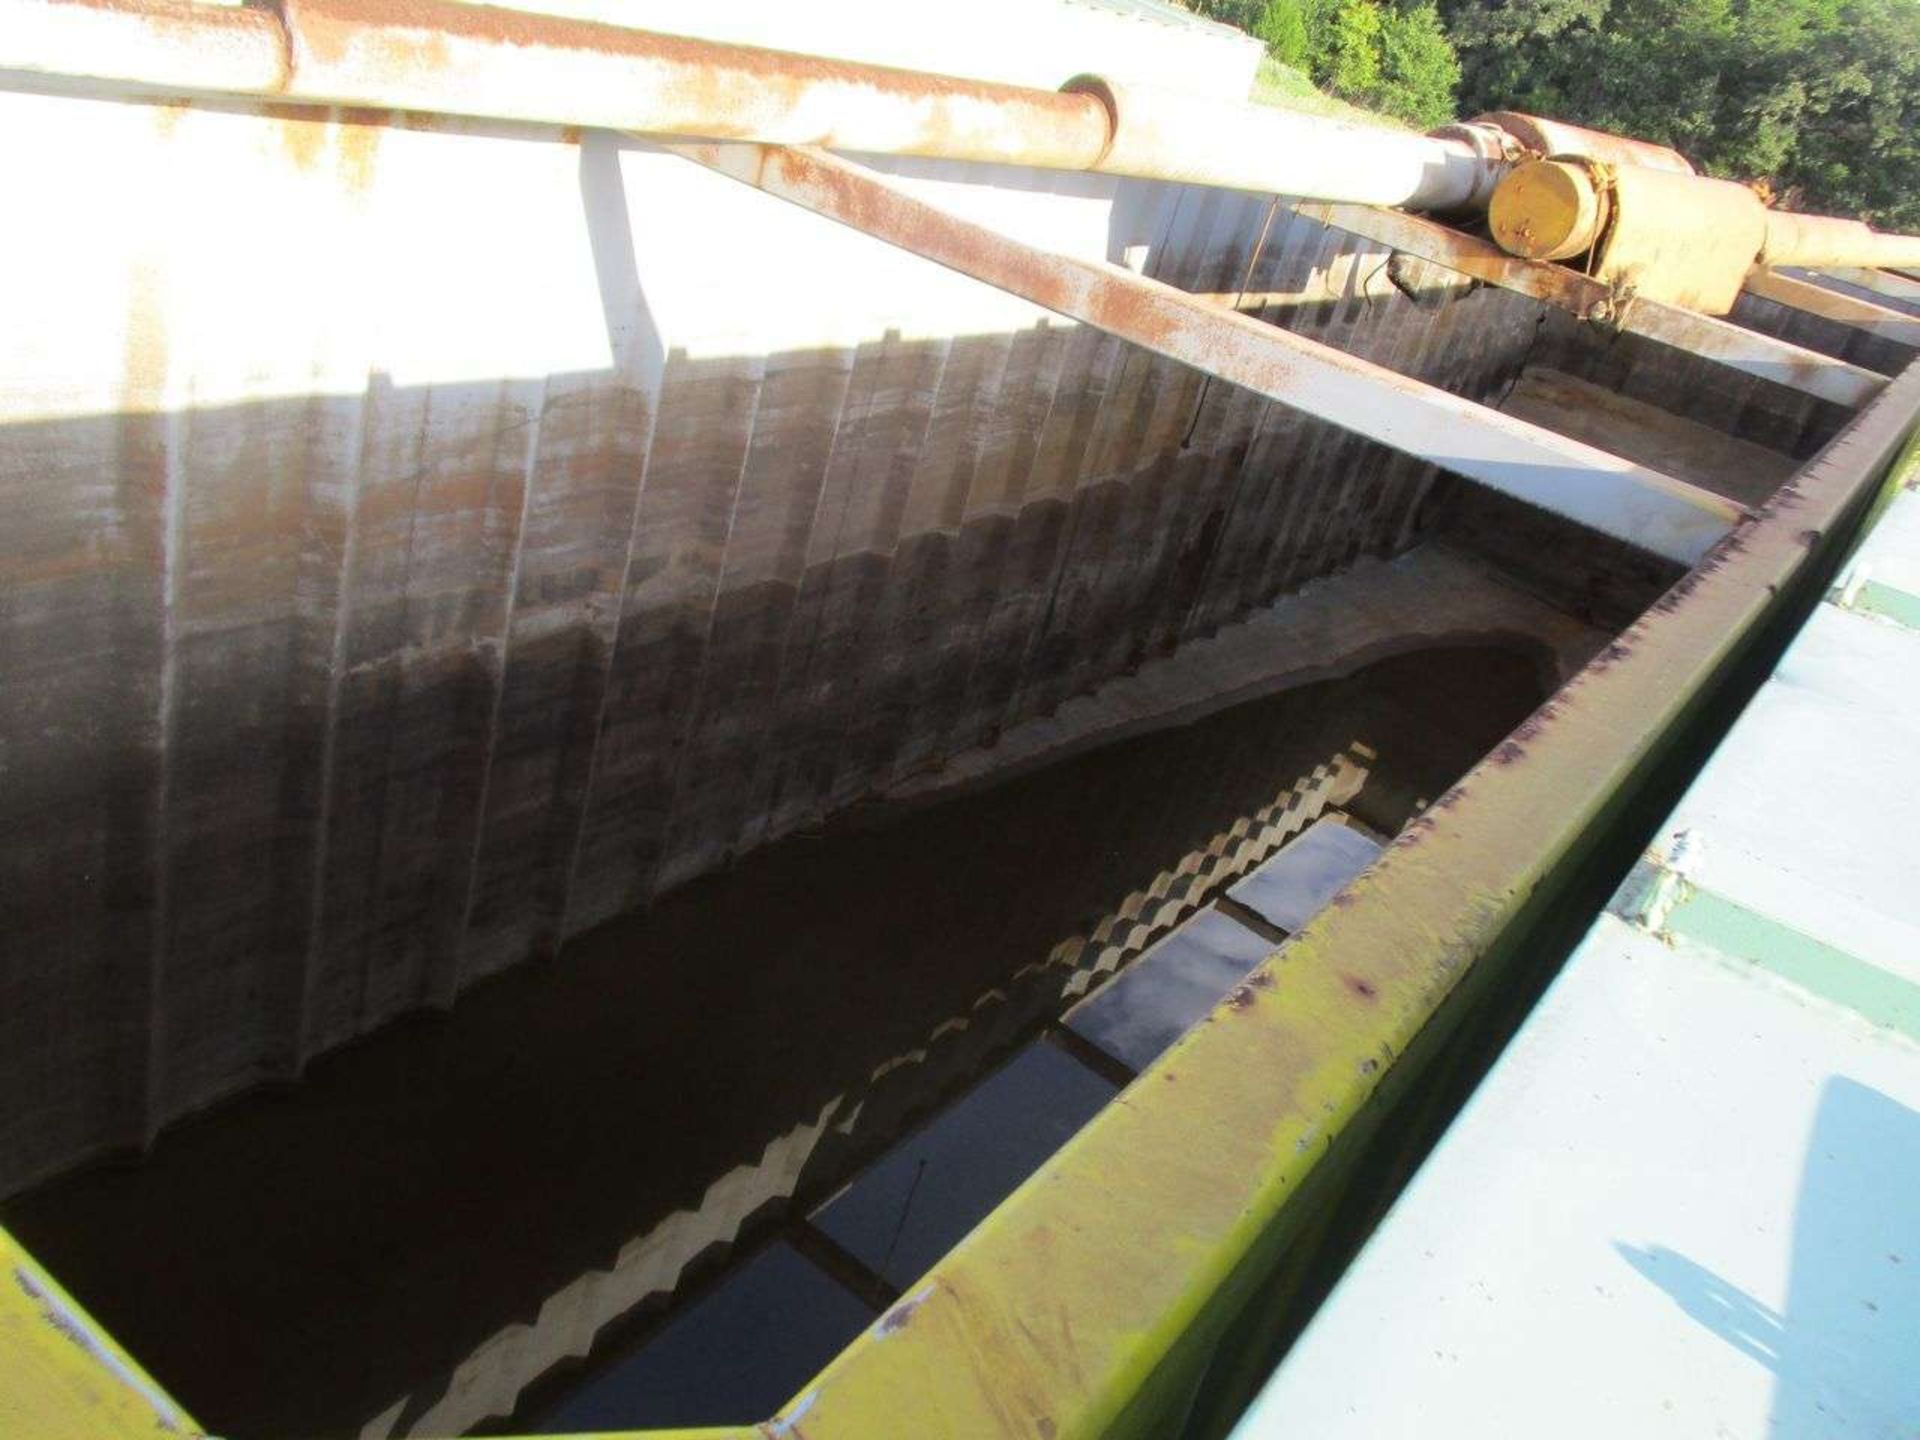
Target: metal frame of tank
{"x": 1134, "y": 1285}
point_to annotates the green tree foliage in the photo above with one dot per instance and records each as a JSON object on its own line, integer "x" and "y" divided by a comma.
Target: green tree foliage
{"x": 1391, "y": 57}
{"x": 1283, "y": 26}
{"x": 1345, "y": 51}
{"x": 1418, "y": 68}
{"x": 1245, "y": 14}
{"x": 1818, "y": 98}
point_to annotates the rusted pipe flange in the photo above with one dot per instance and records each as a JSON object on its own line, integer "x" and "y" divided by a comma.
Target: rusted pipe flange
{"x": 1498, "y": 151}
{"x": 1550, "y": 209}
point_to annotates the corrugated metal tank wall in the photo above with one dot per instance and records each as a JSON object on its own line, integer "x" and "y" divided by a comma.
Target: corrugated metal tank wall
{"x": 425, "y": 542}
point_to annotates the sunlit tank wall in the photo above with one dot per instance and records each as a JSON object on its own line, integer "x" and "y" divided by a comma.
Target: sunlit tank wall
{"x": 422, "y": 542}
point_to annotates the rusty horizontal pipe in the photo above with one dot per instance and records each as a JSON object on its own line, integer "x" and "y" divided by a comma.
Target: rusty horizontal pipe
{"x": 487, "y": 62}
{"x": 442, "y": 57}
{"x": 1544, "y": 137}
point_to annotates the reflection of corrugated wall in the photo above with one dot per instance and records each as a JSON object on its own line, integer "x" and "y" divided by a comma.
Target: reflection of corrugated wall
{"x": 420, "y": 544}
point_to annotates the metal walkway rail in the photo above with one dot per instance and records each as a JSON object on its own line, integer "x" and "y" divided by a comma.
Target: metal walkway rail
{"x": 1683, "y": 1201}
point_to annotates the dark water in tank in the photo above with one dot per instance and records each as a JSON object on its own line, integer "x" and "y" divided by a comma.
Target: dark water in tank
{"x": 299, "y": 1262}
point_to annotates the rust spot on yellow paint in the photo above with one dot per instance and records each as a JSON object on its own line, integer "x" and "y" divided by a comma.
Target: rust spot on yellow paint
{"x": 1243, "y": 994}
{"x": 902, "y": 1314}
{"x": 1614, "y": 653}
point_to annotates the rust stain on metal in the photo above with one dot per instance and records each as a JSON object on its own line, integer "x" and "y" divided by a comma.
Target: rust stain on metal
{"x": 1615, "y": 652}
{"x": 1411, "y": 834}
{"x": 686, "y": 78}
{"x": 359, "y": 134}
{"x": 1243, "y": 995}
{"x": 531, "y": 30}
{"x": 1047, "y": 281}
{"x": 1556, "y": 137}
{"x": 207, "y": 22}
{"x": 301, "y": 131}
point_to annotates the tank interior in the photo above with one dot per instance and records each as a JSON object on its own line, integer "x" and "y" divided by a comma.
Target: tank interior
{"x": 554, "y": 883}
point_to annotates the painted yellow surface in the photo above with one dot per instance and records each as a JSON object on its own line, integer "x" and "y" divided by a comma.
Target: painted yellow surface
{"x": 1546, "y": 210}
{"x": 61, "y": 1376}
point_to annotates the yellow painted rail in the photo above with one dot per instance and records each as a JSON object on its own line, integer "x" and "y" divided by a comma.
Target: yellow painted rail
{"x": 61, "y": 1376}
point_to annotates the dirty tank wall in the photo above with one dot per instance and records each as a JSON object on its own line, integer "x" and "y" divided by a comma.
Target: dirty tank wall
{"x": 423, "y": 542}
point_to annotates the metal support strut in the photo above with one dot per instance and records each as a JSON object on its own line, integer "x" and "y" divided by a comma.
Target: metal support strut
{"x": 1586, "y": 485}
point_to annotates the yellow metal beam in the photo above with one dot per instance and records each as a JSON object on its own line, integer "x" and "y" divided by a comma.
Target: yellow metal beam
{"x": 61, "y": 1376}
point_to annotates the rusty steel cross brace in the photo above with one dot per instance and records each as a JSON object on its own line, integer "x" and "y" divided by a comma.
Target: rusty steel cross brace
{"x": 1589, "y": 486}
